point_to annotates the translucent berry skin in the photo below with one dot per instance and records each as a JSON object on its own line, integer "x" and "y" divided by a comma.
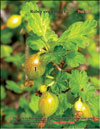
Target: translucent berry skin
{"x": 34, "y": 67}
{"x": 14, "y": 21}
{"x": 48, "y": 104}
{"x": 78, "y": 105}
{"x": 86, "y": 111}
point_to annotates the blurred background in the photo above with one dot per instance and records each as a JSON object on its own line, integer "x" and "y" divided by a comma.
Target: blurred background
{"x": 13, "y": 91}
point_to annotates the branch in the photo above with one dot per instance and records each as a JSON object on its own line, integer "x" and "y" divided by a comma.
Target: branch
{"x": 57, "y": 67}
{"x": 42, "y": 123}
{"x": 26, "y": 53}
{"x": 4, "y": 15}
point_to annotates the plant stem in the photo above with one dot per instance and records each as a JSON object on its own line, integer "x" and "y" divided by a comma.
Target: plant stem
{"x": 26, "y": 56}
{"x": 45, "y": 40}
{"x": 58, "y": 68}
{"x": 66, "y": 90}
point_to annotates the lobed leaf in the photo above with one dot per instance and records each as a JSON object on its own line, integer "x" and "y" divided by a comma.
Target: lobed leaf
{"x": 94, "y": 105}
{"x": 74, "y": 59}
{"x": 77, "y": 35}
{"x": 60, "y": 84}
{"x": 88, "y": 92}
{"x": 54, "y": 56}
{"x": 35, "y": 42}
{"x": 63, "y": 104}
{"x": 78, "y": 81}
{"x": 38, "y": 23}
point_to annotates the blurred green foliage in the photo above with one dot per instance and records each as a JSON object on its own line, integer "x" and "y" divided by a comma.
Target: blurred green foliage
{"x": 5, "y": 50}
{"x": 3, "y": 93}
{"x": 74, "y": 46}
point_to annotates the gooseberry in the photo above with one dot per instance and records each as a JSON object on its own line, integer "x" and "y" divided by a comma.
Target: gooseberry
{"x": 34, "y": 67}
{"x": 78, "y": 105}
{"x": 14, "y": 21}
{"x": 48, "y": 104}
{"x": 86, "y": 111}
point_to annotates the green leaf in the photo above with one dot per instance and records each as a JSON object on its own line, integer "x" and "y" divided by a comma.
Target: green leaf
{"x": 94, "y": 60}
{"x": 23, "y": 102}
{"x": 50, "y": 35}
{"x": 88, "y": 92}
{"x": 3, "y": 4}
{"x": 63, "y": 104}
{"x": 77, "y": 34}
{"x": 78, "y": 81}
{"x": 82, "y": 28}
{"x": 74, "y": 59}
{"x": 45, "y": 22}
{"x": 94, "y": 81}
{"x": 90, "y": 5}
{"x": 51, "y": 38}
{"x": 70, "y": 44}
{"x": 80, "y": 86}
{"x": 38, "y": 23}
{"x": 37, "y": 83}
{"x": 92, "y": 48}
{"x": 54, "y": 56}
{"x": 94, "y": 105}
{"x": 11, "y": 85}
{"x": 60, "y": 84}
{"x": 34, "y": 103}
{"x": 35, "y": 42}
{"x": 6, "y": 36}
{"x": 3, "y": 93}
{"x": 61, "y": 76}
{"x": 49, "y": 69}
{"x": 6, "y": 50}
{"x": 50, "y": 57}
{"x": 17, "y": 59}
{"x": 59, "y": 50}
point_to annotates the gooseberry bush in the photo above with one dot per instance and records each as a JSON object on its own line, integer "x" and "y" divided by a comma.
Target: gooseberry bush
{"x": 55, "y": 85}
